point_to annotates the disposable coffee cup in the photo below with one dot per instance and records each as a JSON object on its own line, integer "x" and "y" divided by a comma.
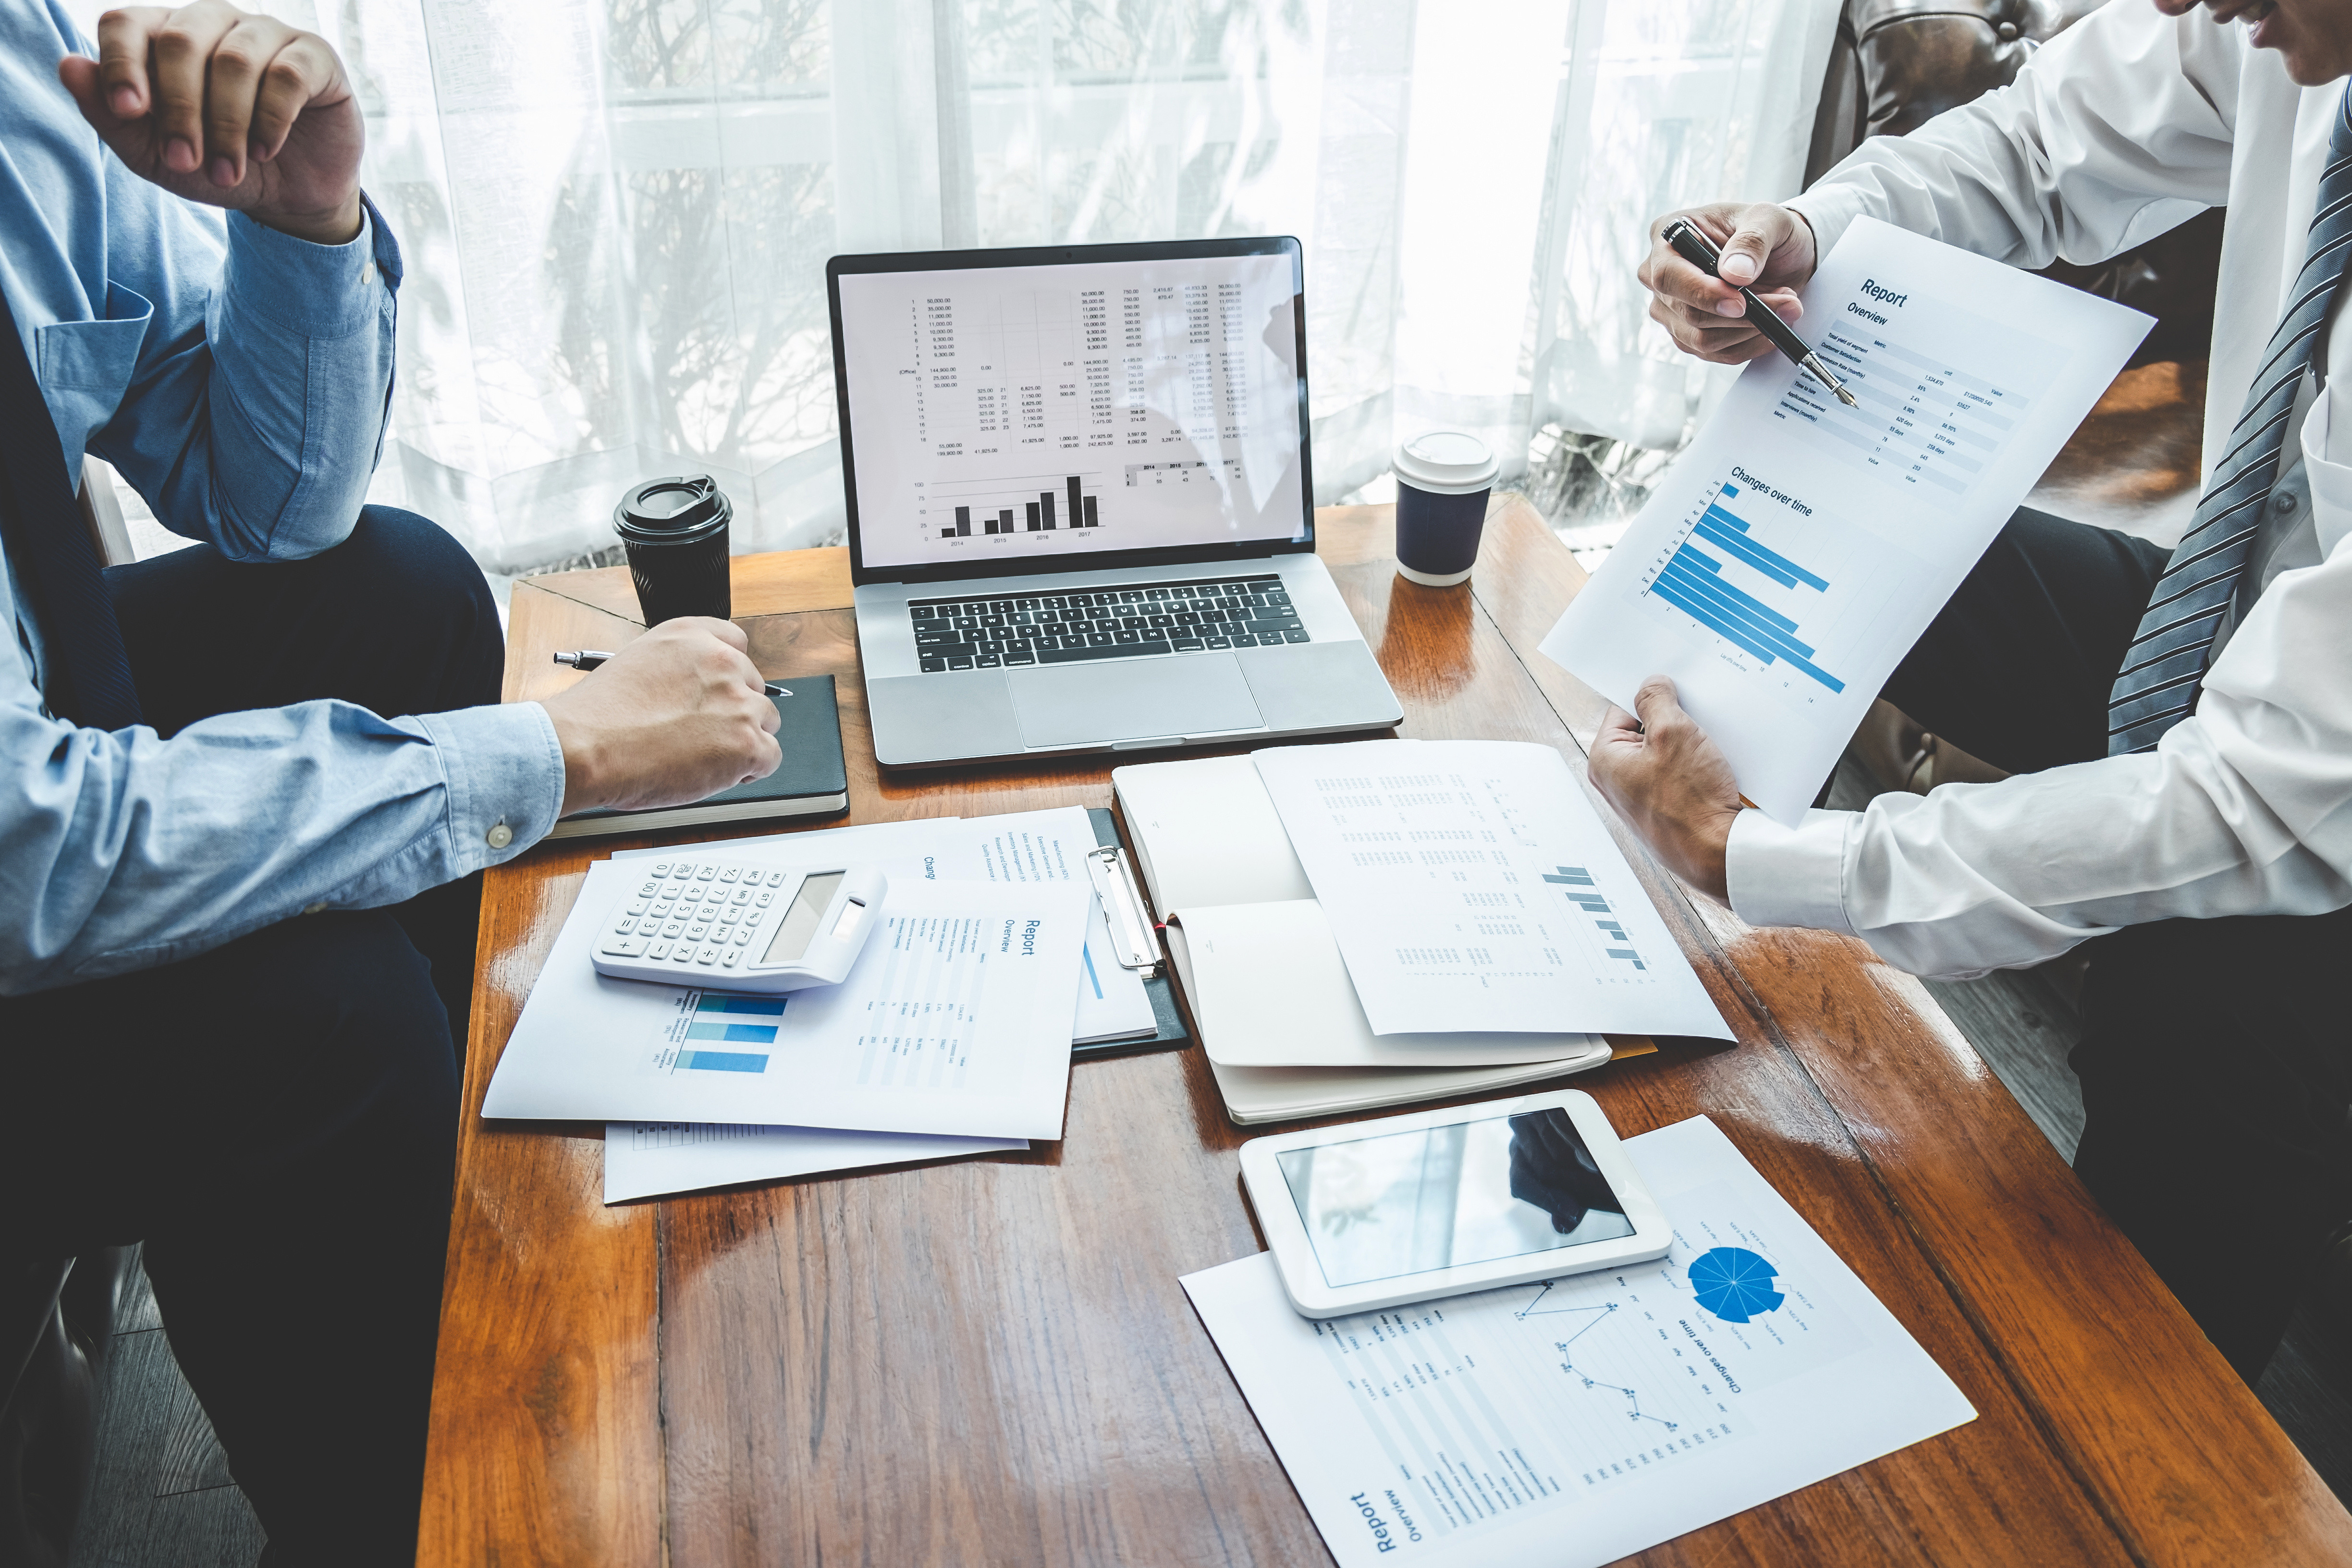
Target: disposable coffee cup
{"x": 1443, "y": 478}
{"x": 675, "y": 531}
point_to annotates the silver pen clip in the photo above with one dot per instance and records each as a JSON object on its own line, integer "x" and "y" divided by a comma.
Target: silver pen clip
{"x": 1124, "y": 911}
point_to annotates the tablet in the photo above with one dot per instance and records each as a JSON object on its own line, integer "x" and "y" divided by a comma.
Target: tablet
{"x": 1440, "y": 1202}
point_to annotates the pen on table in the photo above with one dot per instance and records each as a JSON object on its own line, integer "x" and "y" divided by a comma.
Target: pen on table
{"x": 588, "y": 658}
{"x": 1696, "y": 248}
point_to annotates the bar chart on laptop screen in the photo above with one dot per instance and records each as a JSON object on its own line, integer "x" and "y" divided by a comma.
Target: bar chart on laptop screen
{"x": 1048, "y": 410}
{"x": 1038, "y": 503}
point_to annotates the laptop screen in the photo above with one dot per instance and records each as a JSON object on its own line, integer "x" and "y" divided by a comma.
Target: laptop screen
{"x": 1028, "y": 415}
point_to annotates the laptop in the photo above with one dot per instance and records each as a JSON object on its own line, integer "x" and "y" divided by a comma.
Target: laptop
{"x": 1081, "y": 515}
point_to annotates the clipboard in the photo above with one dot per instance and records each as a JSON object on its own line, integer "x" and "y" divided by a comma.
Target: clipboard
{"x": 1130, "y": 922}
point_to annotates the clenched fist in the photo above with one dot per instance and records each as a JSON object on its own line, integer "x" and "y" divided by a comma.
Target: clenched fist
{"x": 229, "y": 109}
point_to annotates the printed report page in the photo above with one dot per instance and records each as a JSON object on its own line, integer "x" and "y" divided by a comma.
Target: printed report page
{"x": 1575, "y": 1421}
{"x": 1046, "y": 412}
{"x": 1471, "y": 886}
{"x": 955, "y": 1020}
{"x": 1796, "y": 550}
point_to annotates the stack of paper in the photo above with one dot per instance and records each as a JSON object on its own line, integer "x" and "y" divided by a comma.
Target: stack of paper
{"x": 1394, "y": 920}
{"x": 951, "y": 1035}
{"x": 1576, "y": 1421}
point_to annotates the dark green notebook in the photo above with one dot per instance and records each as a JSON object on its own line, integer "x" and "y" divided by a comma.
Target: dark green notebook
{"x": 811, "y": 782}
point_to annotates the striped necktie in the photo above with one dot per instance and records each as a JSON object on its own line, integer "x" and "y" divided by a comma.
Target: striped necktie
{"x": 2169, "y": 653}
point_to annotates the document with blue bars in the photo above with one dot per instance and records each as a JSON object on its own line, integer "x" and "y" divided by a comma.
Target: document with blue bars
{"x": 1798, "y": 547}
{"x": 1470, "y": 886}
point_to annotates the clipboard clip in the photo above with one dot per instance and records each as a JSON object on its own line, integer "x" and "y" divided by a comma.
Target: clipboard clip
{"x": 1124, "y": 911}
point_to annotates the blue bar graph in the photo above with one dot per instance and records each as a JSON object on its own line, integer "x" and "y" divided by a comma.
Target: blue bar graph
{"x": 1729, "y": 532}
{"x": 756, "y": 1006}
{"x": 1694, "y": 583}
{"x": 734, "y": 1034}
{"x": 1570, "y": 879}
{"x": 723, "y": 1061}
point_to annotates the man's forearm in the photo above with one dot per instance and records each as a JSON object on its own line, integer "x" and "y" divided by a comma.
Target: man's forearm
{"x": 273, "y": 417}
{"x": 2112, "y": 134}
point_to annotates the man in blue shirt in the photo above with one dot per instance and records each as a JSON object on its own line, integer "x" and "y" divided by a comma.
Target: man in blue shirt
{"x": 245, "y": 787}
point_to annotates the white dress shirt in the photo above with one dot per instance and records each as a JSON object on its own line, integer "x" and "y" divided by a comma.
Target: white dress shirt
{"x": 2121, "y": 127}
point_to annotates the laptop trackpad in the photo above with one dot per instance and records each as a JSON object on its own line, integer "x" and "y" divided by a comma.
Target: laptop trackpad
{"x": 1076, "y": 704}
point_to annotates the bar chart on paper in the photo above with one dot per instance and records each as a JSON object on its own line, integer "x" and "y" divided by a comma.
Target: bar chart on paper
{"x": 1470, "y": 886}
{"x": 1793, "y": 555}
{"x": 712, "y": 1027}
{"x": 1780, "y": 590}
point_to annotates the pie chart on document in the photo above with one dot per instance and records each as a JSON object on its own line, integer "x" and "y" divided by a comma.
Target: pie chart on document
{"x": 1734, "y": 1283}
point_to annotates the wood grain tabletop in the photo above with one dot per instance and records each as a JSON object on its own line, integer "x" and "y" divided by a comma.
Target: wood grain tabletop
{"x": 990, "y": 1360}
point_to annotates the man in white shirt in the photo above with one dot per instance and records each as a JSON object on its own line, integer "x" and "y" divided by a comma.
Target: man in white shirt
{"x": 2179, "y": 722}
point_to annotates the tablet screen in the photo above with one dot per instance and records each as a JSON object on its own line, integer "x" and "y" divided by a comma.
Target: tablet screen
{"x": 1474, "y": 1192}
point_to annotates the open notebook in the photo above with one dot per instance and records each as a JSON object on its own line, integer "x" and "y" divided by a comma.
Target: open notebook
{"x": 1278, "y": 1015}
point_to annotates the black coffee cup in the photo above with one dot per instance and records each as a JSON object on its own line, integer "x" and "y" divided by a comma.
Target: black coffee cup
{"x": 1443, "y": 478}
{"x": 675, "y": 531}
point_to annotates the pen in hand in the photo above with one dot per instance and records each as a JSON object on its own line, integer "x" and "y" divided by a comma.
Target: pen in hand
{"x": 588, "y": 658}
{"x": 1695, "y": 248}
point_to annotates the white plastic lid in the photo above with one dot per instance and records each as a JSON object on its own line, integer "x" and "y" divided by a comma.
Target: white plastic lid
{"x": 1446, "y": 462}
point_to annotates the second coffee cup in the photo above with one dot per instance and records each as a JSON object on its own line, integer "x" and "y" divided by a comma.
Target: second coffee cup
{"x": 1443, "y": 478}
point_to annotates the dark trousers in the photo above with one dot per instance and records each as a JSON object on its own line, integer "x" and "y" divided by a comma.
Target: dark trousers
{"x": 2216, "y": 1059}
{"x": 276, "y": 1119}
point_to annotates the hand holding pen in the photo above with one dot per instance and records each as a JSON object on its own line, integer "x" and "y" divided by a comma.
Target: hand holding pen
{"x": 1689, "y": 242}
{"x": 1728, "y": 318}
{"x": 588, "y": 659}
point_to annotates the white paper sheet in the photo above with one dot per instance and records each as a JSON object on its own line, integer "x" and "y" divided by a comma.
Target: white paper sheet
{"x": 646, "y": 1159}
{"x": 955, "y": 1019}
{"x": 1471, "y": 886}
{"x": 1017, "y": 848}
{"x": 1206, "y": 833}
{"x": 1798, "y": 548}
{"x": 1269, "y": 989}
{"x": 1576, "y": 1422}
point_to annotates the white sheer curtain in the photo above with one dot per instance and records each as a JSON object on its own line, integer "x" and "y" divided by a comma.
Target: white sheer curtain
{"x": 616, "y": 212}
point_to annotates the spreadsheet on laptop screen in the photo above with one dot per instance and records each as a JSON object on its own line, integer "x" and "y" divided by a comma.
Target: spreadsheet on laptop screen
{"x": 1043, "y": 412}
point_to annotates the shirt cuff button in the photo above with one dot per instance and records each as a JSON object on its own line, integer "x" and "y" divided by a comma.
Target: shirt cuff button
{"x": 499, "y": 835}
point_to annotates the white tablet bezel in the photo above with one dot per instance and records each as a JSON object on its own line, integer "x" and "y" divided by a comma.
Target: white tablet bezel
{"x": 1302, "y": 1274}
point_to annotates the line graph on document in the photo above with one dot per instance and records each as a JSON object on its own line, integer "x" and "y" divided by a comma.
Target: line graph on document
{"x": 1568, "y": 1384}
{"x": 1592, "y": 1317}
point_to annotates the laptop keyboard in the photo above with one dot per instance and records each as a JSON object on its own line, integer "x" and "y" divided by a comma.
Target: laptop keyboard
{"x": 1129, "y": 622}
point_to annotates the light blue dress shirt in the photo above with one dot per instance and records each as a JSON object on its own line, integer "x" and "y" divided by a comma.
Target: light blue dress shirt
{"x": 238, "y": 378}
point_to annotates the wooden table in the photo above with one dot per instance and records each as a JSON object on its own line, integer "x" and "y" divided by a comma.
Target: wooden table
{"x": 990, "y": 1361}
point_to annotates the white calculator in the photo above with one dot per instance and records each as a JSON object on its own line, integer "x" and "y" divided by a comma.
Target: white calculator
{"x": 739, "y": 926}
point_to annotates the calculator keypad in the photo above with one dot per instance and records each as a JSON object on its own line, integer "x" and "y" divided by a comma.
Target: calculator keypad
{"x": 694, "y": 914}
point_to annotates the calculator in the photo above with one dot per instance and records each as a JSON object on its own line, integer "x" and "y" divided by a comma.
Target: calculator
{"x": 735, "y": 926}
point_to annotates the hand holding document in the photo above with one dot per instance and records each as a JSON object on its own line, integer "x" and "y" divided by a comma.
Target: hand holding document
{"x": 1796, "y": 550}
{"x": 1570, "y": 1422}
{"x": 1470, "y": 885}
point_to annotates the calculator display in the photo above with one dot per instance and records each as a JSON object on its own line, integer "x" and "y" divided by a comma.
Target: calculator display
{"x": 800, "y": 921}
